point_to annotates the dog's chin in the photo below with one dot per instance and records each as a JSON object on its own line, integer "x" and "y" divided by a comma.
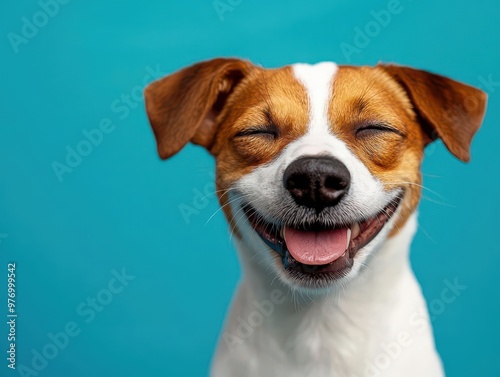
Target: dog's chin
{"x": 318, "y": 270}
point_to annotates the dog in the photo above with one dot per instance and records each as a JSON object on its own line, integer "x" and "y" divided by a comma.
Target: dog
{"x": 318, "y": 174}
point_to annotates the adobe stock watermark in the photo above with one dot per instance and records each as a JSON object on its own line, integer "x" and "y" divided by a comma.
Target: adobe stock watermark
{"x": 417, "y": 321}
{"x": 223, "y": 6}
{"x": 30, "y": 26}
{"x": 86, "y": 311}
{"x": 201, "y": 199}
{"x": 92, "y": 138}
{"x": 363, "y": 36}
{"x": 488, "y": 84}
{"x": 247, "y": 325}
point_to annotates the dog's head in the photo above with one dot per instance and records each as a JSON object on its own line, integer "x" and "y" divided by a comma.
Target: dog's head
{"x": 317, "y": 165}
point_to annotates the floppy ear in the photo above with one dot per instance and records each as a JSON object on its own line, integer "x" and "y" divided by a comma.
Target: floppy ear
{"x": 447, "y": 109}
{"x": 184, "y": 106}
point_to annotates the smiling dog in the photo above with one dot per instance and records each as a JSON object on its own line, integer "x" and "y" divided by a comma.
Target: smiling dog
{"x": 318, "y": 174}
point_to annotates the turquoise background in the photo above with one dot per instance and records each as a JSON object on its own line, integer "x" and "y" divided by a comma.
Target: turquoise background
{"x": 120, "y": 207}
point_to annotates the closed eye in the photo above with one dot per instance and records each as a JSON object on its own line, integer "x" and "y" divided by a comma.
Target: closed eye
{"x": 376, "y": 128}
{"x": 265, "y": 131}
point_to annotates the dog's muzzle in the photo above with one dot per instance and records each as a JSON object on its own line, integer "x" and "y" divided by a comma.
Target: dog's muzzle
{"x": 318, "y": 249}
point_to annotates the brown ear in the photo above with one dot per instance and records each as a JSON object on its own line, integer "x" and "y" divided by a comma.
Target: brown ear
{"x": 447, "y": 109}
{"x": 184, "y": 106}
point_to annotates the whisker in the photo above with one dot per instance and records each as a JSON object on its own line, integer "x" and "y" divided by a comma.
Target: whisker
{"x": 415, "y": 184}
{"x": 226, "y": 204}
{"x": 438, "y": 202}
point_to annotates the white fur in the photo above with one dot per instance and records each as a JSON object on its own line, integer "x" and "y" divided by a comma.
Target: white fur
{"x": 339, "y": 335}
{"x": 341, "y": 332}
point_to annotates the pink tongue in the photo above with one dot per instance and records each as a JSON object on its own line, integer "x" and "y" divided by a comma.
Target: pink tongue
{"x": 316, "y": 248}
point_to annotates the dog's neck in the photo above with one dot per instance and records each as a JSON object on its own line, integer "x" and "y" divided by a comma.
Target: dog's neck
{"x": 329, "y": 332}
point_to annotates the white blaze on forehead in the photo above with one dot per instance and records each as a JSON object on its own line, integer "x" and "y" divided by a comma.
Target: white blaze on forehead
{"x": 366, "y": 192}
{"x": 317, "y": 80}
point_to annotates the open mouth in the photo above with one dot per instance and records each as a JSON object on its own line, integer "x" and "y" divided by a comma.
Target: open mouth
{"x": 317, "y": 250}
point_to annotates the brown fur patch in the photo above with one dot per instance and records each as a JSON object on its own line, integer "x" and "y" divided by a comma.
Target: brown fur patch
{"x": 367, "y": 95}
{"x": 265, "y": 98}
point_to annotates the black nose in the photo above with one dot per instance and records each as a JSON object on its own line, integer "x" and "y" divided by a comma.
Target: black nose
{"x": 317, "y": 182}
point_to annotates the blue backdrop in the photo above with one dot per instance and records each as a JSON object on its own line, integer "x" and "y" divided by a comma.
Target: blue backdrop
{"x": 114, "y": 278}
